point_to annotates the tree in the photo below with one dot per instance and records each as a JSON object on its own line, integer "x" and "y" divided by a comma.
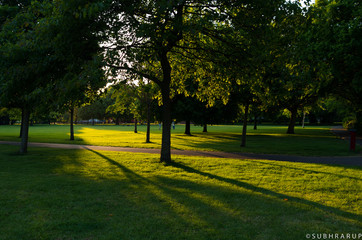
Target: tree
{"x": 27, "y": 70}
{"x": 338, "y": 28}
{"x": 72, "y": 30}
{"x": 36, "y": 63}
{"x": 135, "y": 99}
{"x": 293, "y": 77}
{"x": 145, "y": 36}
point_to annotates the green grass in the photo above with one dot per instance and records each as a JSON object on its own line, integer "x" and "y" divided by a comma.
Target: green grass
{"x": 315, "y": 141}
{"x": 84, "y": 194}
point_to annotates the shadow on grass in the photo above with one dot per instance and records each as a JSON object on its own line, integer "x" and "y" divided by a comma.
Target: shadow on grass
{"x": 269, "y": 144}
{"x": 244, "y": 185}
{"x": 47, "y": 195}
{"x": 307, "y": 171}
{"x": 268, "y": 192}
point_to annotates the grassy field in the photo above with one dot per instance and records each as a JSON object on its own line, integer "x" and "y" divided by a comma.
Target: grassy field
{"x": 84, "y": 194}
{"x": 317, "y": 141}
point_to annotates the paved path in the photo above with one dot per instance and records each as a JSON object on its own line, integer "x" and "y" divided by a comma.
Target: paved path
{"x": 348, "y": 160}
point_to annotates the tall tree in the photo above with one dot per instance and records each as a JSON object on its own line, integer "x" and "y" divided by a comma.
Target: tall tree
{"x": 36, "y": 63}
{"x": 339, "y": 35}
{"x": 294, "y": 76}
{"x": 27, "y": 70}
{"x": 144, "y": 37}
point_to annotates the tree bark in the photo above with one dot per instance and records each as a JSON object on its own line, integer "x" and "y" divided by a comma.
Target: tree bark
{"x": 205, "y": 127}
{"x": 166, "y": 114}
{"x": 166, "y": 128}
{"x": 25, "y": 131}
{"x": 293, "y": 118}
{"x": 188, "y": 127}
{"x": 22, "y": 123}
{"x": 255, "y": 121}
{"x": 245, "y": 124}
{"x": 71, "y": 124}
{"x": 148, "y": 123}
{"x": 303, "y": 121}
{"x": 135, "y": 125}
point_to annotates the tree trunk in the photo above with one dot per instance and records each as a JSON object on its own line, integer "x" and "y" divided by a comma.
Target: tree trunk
{"x": 303, "y": 121}
{"x": 135, "y": 125}
{"x": 188, "y": 127}
{"x": 166, "y": 114}
{"x": 166, "y": 128}
{"x": 205, "y": 127}
{"x": 293, "y": 118}
{"x": 255, "y": 122}
{"x": 117, "y": 120}
{"x": 245, "y": 124}
{"x": 71, "y": 124}
{"x": 25, "y": 131}
{"x": 148, "y": 123}
{"x": 22, "y": 123}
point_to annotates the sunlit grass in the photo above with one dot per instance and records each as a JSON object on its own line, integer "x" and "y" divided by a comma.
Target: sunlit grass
{"x": 267, "y": 139}
{"x": 81, "y": 194}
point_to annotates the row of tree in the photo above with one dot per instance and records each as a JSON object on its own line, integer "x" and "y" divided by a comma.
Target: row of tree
{"x": 260, "y": 54}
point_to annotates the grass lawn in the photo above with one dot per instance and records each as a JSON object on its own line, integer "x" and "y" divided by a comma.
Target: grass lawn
{"x": 316, "y": 141}
{"x": 83, "y": 194}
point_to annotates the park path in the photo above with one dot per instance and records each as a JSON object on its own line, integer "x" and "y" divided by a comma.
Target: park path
{"x": 346, "y": 160}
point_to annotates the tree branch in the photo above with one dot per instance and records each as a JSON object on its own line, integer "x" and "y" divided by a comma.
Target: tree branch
{"x": 140, "y": 73}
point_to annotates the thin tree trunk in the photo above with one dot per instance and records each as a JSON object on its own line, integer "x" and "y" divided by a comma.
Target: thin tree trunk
{"x": 245, "y": 124}
{"x": 205, "y": 127}
{"x": 148, "y": 123}
{"x": 71, "y": 123}
{"x": 22, "y": 123}
{"x": 25, "y": 132}
{"x": 188, "y": 127}
{"x": 255, "y": 121}
{"x": 303, "y": 121}
{"x": 135, "y": 125}
{"x": 293, "y": 118}
{"x": 117, "y": 120}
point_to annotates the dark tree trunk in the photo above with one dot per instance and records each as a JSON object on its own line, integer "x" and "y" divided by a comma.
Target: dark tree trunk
{"x": 22, "y": 123}
{"x": 148, "y": 123}
{"x": 166, "y": 114}
{"x": 166, "y": 128}
{"x": 293, "y": 118}
{"x": 188, "y": 127}
{"x": 25, "y": 132}
{"x": 117, "y": 120}
{"x": 245, "y": 124}
{"x": 135, "y": 125}
{"x": 71, "y": 124}
{"x": 255, "y": 121}
{"x": 205, "y": 127}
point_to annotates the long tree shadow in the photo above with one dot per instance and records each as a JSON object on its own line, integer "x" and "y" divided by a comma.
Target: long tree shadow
{"x": 52, "y": 197}
{"x": 244, "y": 185}
{"x": 310, "y": 170}
{"x": 178, "y": 192}
{"x": 267, "y": 192}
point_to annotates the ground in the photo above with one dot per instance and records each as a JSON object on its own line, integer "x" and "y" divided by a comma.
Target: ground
{"x": 85, "y": 192}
